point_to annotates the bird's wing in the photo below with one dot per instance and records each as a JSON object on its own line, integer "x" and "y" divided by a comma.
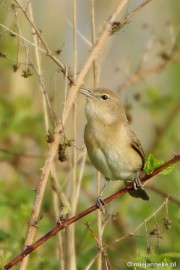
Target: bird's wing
{"x": 136, "y": 145}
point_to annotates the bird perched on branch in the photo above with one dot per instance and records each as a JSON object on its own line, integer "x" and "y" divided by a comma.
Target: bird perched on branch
{"x": 112, "y": 146}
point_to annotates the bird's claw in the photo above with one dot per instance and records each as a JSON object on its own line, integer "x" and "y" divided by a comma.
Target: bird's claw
{"x": 100, "y": 204}
{"x": 137, "y": 184}
{"x": 138, "y": 191}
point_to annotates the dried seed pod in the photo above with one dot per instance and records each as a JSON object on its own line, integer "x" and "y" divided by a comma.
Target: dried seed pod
{"x": 115, "y": 27}
{"x": 62, "y": 152}
{"x": 167, "y": 223}
{"x": 62, "y": 149}
{"x": 49, "y": 137}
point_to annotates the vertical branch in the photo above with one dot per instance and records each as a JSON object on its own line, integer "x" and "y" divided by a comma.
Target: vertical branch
{"x": 65, "y": 92}
{"x": 74, "y": 105}
{"x": 95, "y": 66}
{"x": 35, "y": 214}
{"x": 58, "y": 196}
{"x": 39, "y": 71}
{"x": 71, "y": 262}
{"x": 98, "y": 175}
{"x": 79, "y": 180}
{"x": 99, "y": 224}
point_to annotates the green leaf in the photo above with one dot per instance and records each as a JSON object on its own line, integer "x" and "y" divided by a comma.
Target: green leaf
{"x": 152, "y": 163}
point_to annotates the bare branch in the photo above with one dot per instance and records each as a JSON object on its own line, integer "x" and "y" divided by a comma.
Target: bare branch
{"x": 65, "y": 223}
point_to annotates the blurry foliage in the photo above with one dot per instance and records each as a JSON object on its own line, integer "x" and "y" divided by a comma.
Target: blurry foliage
{"x": 157, "y": 102}
{"x": 17, "y": 120}
{"x": 16, "y": 116}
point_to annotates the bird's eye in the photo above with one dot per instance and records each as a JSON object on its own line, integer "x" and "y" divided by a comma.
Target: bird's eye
{"x": 104, "y": 97}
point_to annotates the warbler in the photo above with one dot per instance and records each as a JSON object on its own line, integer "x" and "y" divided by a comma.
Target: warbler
{"x": 112, "y": 146}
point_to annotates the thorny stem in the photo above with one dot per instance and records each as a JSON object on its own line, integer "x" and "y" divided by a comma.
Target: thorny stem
{"x": 65, "y": 223}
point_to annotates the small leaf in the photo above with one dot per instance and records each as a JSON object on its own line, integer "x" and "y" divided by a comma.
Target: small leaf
{"x": 151, "y": 164}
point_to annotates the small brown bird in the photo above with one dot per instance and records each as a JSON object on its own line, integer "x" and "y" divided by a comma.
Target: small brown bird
{"x": 112, "y": 146}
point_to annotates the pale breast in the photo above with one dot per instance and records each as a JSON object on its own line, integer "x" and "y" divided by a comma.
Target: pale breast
{"x": 111, "y": 153}
{"x": 123, "y": 162}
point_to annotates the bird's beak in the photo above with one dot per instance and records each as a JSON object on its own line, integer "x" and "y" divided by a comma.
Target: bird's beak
{"x": 86, "y": 92}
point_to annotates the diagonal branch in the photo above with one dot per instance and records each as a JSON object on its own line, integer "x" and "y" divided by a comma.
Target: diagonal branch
{"x": 65, "y": 223}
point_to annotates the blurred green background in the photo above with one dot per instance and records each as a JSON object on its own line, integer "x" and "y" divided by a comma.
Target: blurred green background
{"x": 142, "y": 63}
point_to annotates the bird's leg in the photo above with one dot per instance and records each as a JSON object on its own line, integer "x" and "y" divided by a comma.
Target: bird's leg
{"x": 100, "y": 203}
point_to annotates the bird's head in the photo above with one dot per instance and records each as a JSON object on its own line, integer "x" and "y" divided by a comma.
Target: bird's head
{"x": 103, "y": 105}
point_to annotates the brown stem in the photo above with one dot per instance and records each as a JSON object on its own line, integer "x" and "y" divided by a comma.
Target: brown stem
{"x": 67, "y": 222}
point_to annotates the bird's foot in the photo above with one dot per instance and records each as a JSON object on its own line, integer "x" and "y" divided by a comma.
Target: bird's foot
{"x": 100, "y": 204}
{"x": 138, "y": 184}
{"x": 138, "y": 190}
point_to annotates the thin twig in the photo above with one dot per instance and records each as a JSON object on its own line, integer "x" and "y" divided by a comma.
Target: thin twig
{"x": 98, "y": 174}
{"x": 58, "y": 196}
{"x": 41, "y": 38}
{"x": 95, "y": 65}
{"x": 166, "y": 125}
{"x": 90, "y": 264}
{"x": 31, "y": 228}
{"x": 70, "y": 246}
{"x": 164, "y": 194}
{"x": 79, "y": 181}
{"x": 131, "y": 14}
{"x": 22, "y": 38}
{"x": 80, "y": 35}
{"x": 131, "y": 234}
{"x": 141, "y": 73}
{"x": 65, "y": 223}
{"x": 99, "y": 224}
{"x": 45, "y": 98}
